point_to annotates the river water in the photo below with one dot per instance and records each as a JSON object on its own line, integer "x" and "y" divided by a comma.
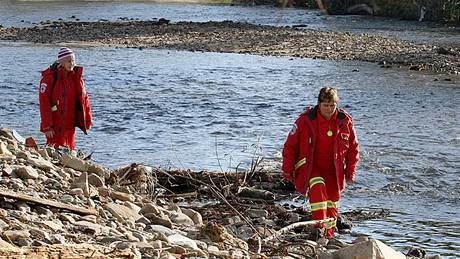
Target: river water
{"x": 209, "y": 111}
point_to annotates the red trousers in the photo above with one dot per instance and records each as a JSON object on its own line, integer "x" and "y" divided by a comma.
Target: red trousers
{"x": 64, "y": 139}
{"x": 324, "y": 196}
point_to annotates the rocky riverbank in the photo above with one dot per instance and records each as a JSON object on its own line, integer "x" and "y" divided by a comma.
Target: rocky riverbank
{"x": 58, "y": 204}
{"x": 235, "y": 37}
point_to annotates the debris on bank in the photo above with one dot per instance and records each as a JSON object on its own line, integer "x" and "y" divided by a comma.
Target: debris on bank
{"x": 55, "y": 204}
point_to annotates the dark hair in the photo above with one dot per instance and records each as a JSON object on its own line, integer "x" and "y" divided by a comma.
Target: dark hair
{"x": 328, "y": 94}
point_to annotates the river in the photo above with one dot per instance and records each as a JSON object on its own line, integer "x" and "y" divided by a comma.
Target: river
{"x": 208, "y": 111}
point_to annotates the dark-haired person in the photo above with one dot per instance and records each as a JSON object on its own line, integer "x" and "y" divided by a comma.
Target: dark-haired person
{"x": 320, "y": 156}
{"x": 64, "y": 102}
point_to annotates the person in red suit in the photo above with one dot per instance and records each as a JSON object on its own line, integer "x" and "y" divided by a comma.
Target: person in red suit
{"x": 64, "y": 102}
{"x": 320, "y": 156}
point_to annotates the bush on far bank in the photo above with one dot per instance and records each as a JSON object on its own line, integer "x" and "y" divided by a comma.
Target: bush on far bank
{"x": 426, "y": 10}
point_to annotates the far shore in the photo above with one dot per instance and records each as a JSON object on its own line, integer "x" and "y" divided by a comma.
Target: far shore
{"x": 237, "y": 37}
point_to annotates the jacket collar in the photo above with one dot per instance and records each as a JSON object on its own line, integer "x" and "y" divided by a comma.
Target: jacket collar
{"x": 312, "y": 114}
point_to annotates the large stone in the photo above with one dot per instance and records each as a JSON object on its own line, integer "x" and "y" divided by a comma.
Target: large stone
{"x": 96, "y": 180}
{"x": 93, "y": 228}
{"x": 8, "y": 246}
{"x": 122, "y": 213}
{"x": 99, "y": 170}
{"x": 74, "y": 163}
{"x": 181, "y": 218}
{"x": 374, "y": 249}
{"x": 7, "y": 170}
{"x": 257, "y": 213}
{"x": 4, "y": 150}
{"x": 132, "y": 206}
{"x": 122, "y": 196}
{"x": 41, "y": 163}
{"x": 82, "y": 183}
{"x": 161, "y": 230}
{"x": 52, "y": 225}
{"x": 39, "y": 234}
{"x": 180, "y": 240}
{"x": 150, "y": 208}
{"x": 14, "y": 235}
{"x": 26, "y": 172}
{"x": 159, "y": 220}
{"x": 194, "y": 215}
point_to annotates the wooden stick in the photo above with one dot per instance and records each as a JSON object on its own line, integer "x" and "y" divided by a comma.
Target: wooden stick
{"x": 179, "y": 195}
{"x": 41, "y": 201}
{"x": 296, "y": 225}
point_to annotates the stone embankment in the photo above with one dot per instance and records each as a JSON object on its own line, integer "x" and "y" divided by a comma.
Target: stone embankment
{"x": 237, "y": 37}
{"x": 56, "y": 204}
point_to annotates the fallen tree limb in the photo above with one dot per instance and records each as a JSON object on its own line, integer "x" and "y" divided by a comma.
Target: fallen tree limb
{"x": 296, "y": 225}
{"x": 41, "y": 201}
{"x": 179, "y": 195}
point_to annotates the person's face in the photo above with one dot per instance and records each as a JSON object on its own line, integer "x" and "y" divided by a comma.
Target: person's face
{"x": 68, "y": 63}
{"x": 327, "y": 109}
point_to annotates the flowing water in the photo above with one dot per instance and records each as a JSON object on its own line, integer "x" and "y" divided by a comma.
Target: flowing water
{"x": 210, "y": 110}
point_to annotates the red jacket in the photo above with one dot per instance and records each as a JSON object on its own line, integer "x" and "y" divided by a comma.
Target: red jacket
{"x": 299, "y": 150}
{"x": 64, "y": 103}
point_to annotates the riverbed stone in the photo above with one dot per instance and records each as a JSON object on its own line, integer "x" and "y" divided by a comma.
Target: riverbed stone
{"x": 180, "y": 240}
{"x": 122, "y": 213}
{"x": 122, "y": 196}
{"x": 181, "y": 218}
{"x": 159, "y": 219}
{"x": 149, "y": 208}
{"x": 15, "y": 235}
{"x": 82, "y": 183}
{"x": 363, "y": 250}
{"x": 41, "y": 163}
{"x": 74, "y": 163}
{"x": 26, "y": 172}
{"x": 95, "y": 180}
{"x": 194, "y": 215}
{"x": 4, "y": 150}
{"x": 161, "y": 230}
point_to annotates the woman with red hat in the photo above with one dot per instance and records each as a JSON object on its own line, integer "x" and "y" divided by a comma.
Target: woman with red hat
{"x": 64, "y": 102}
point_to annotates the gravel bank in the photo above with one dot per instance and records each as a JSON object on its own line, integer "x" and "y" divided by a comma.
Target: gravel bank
{"x": 235, "y": 37}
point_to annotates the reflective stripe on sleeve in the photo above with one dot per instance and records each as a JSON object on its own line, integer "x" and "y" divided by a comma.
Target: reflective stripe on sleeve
{"x": 300, "y": 163}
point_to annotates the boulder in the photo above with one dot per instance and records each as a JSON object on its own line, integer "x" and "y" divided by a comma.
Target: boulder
{"x": 373, "y": 249}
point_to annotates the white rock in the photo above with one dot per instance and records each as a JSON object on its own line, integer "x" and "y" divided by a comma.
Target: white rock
{"x": 180, "y": 240}
{"x": 373, "y": 249}
{"x": 181, "y": 218}
{"x": 4, "y": 150}
{"x": 74, "y": 163}
{"x": 161, "y": 230}
{"x": 194, "y": 215}
{"x": 122, "y": 213}
{"x": 41, "y": 163}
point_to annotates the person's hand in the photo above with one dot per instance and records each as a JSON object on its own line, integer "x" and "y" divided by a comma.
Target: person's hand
{"x": 49, "y": 133}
